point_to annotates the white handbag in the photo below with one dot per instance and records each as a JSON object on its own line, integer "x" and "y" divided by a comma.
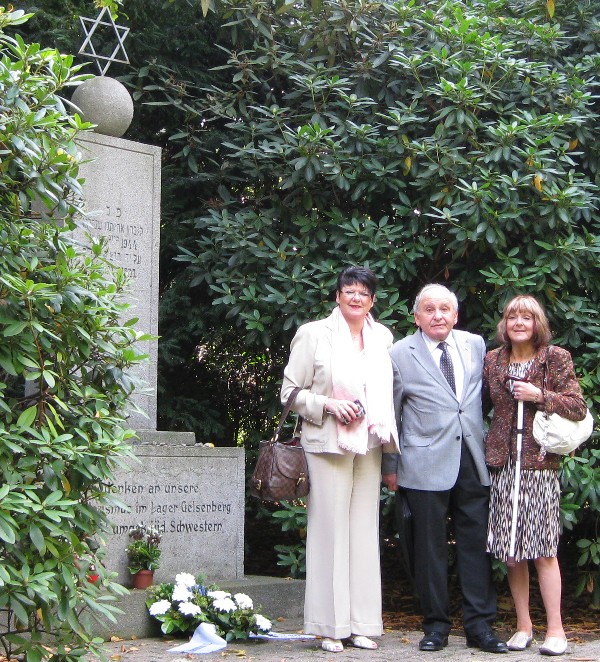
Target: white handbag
{"x": 559, "y": 435}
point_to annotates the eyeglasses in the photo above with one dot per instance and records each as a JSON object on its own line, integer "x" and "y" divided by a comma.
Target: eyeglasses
{"x": 352, "y": 293}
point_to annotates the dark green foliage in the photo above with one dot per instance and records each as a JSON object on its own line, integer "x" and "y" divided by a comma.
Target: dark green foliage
{"x": 64, "y": 362}
{"x": 431, "y": 141}
{"x": 422, "y": 138}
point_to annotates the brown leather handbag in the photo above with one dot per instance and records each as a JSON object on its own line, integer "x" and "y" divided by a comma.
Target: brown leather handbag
{"x": 281, "y": 471}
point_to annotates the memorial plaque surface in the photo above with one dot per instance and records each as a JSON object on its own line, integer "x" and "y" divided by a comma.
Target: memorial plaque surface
{"x": 122, "y": 201}
{"x": 195, "y": 497}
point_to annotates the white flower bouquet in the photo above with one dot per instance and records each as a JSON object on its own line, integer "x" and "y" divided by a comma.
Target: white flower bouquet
{"x": 182, "y": 606}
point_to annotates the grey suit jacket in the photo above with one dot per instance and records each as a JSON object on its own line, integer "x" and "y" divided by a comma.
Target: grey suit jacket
{"x": 432, "y": 420}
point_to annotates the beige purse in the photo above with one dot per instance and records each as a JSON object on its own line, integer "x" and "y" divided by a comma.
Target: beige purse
{"x": 559, "y": 435}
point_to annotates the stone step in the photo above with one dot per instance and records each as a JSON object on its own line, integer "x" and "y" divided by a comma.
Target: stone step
{"x": 273, "y": 597}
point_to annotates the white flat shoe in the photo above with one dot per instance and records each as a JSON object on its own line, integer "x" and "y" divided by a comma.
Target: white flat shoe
{"x": 519, "y": 641}
{"x": 360, "y": 641}
{"x": 332, "y": 645}
{"x": 554, "y": 646}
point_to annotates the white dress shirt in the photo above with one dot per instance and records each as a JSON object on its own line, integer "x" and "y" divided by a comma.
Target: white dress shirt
{"x": 436, "y": 352}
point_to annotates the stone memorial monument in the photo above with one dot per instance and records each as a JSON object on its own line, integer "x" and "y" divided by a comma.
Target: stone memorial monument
{"x": 122, "y": 200}
{"x": 193, "y": 494}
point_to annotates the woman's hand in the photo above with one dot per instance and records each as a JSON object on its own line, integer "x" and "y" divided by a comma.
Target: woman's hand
{"x": 345, "y": 411}
{"x": 527, "y": 392}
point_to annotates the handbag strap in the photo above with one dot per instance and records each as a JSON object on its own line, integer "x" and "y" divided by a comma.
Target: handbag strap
{"x": 545, "y": 370}
{"x": 543, "y": 414}
{"x": 286, "y": 411}
{"x": 549, "y": 353}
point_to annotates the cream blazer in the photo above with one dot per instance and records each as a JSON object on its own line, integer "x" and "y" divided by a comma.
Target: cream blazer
{"x": 309, "y": 367}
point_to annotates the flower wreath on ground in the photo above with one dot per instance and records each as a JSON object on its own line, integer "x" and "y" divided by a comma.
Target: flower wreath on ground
{"x": 182, "y": 606}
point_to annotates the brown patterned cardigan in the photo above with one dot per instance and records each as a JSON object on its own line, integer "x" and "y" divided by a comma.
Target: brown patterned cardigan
{"x": 563, "y": 397}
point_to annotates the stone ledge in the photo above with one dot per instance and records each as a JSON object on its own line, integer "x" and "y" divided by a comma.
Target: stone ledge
{"x": 160, "y": 438}
{"x": 274, "y": 597}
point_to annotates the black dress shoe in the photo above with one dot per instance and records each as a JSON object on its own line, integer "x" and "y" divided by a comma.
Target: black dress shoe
{"x": 433, "y": 641}
{"x": 487, "y": 641}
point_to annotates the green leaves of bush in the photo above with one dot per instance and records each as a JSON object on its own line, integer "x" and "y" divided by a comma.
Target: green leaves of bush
{"x": 431, "y": 141}
{"x": 64, "y": 361}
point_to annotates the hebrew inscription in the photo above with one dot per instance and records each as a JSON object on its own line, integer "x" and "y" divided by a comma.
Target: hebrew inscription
{"x": 122, "y": 203}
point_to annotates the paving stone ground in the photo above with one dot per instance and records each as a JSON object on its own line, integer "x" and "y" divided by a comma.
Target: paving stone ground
{"x": 395, "y": 646}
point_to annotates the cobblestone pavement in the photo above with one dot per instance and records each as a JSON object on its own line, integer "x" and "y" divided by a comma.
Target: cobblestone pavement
{"x": 395, "y": 646}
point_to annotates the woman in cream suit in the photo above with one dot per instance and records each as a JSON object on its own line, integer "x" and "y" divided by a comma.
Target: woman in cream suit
{"x": 343, "y": 368}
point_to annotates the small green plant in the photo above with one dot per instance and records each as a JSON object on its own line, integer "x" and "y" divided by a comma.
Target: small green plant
{"x": 292, "y": 517}
{"x": 143, "y": 550}
{"x": 294, "y": 558}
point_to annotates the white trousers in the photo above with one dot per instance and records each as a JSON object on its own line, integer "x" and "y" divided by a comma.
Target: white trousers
{"x": 343, "y": 577}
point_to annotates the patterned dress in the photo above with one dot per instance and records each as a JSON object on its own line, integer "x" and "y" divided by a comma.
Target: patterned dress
{"x": 538, "y": 510}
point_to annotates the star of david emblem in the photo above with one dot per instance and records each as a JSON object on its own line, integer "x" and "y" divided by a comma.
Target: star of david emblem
{"x": 104, "y": 28}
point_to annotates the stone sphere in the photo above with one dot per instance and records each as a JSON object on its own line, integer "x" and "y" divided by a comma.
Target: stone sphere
{"x": 104, "y": 102}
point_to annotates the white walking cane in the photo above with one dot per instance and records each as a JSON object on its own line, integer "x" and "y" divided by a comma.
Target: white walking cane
{"x": 515, "y": 497}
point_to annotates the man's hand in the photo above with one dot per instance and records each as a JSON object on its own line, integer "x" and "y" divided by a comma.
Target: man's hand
{"x": 390, "y": 481}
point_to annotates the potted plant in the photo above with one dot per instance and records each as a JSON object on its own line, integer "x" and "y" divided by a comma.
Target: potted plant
{"x": 144, "y": 554}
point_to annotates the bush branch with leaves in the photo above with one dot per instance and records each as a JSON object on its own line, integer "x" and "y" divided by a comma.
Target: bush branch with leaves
{"x": 64, "y": 362}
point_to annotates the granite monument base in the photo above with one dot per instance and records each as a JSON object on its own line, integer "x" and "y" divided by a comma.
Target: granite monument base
{"x": 194, "y": 497}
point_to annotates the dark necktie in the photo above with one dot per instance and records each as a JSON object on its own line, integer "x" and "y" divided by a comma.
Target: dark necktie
{"x": 446, "y": 365}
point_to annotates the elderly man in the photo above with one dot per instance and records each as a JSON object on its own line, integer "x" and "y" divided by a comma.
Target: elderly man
{"x": 441, "y": 466}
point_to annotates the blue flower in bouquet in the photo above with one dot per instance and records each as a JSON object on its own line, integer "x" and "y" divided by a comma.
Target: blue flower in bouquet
{"x": 183, "y": 605}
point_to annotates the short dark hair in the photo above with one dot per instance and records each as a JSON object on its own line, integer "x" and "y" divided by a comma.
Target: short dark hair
{"x": 525, "y": 303}
{"x": 361, "y": 275}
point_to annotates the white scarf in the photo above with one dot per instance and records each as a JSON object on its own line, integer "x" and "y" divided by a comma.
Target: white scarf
{"x": 379, "y": 406}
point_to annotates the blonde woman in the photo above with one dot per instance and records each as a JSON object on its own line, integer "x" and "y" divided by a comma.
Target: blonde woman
{"x": 527, "y": 368}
